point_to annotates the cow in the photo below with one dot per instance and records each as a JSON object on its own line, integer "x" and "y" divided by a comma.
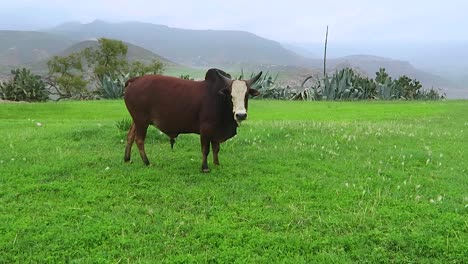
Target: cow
{"x": 212, "y": 108}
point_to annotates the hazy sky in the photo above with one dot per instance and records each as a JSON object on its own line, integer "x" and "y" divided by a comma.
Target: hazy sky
{"x": 296, "y": 21}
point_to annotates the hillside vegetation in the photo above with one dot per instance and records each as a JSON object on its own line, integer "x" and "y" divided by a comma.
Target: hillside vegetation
{"x": 134, "y": 53}
{"x": 34, "y": 49}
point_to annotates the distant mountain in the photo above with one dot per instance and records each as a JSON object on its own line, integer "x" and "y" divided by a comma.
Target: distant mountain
{"x": 302, "y": 51}
{"x": 190, "y": 47}
{"x": 28, "y": 47}
{"x": 435, "y": 57}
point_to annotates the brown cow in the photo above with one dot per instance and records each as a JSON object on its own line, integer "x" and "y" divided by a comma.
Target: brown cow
{"x": 212, "y": 108}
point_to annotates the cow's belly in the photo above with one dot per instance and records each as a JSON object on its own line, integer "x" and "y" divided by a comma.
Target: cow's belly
{"x": 175, "y": 127}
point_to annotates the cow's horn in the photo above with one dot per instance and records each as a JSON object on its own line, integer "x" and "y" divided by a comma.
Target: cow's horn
{"x": 253, "y": 80}
{"x": 227, "y": 80}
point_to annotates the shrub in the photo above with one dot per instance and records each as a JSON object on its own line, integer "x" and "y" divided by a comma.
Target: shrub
{"x": 186, "y": 77}
{"x": 124, "y": 124}
{"x": 24, "y": 86}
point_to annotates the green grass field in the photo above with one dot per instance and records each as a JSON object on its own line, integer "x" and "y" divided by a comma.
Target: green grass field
{"x": 302, "y": 182}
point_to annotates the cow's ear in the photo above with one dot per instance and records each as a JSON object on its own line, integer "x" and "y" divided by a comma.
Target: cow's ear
{"x": 254, "y": 92}
{"x": 224, "y": 92}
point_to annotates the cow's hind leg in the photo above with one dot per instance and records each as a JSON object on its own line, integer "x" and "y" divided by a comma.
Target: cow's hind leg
{"x": 215, "y": 148}
{"x": 205, "y": 147}
{"x": 130, "y": 140}
{"x": 140, "y": 135}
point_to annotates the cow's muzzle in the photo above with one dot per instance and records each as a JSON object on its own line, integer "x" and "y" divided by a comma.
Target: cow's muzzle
{"x": 241, "y": 116}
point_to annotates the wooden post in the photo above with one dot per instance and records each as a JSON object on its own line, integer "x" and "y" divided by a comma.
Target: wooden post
{"x": 325, "y": 55}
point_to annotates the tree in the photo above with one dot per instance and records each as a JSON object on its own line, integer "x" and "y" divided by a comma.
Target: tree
{"x": 66, "y": 76}
{"x": 105, "y": 66}
{"x": 138, "y": 68}
{"x": 108, "y": 59}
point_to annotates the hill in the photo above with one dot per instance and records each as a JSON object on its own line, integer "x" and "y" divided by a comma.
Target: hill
{"x": 29, "y": 47}
{"x": 134, "y": 52}
{"x": 186, "y": 46}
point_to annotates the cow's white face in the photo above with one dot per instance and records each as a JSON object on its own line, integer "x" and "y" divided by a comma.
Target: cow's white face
{"x": 238, "y": 91}
{"x": 238, "y": 96}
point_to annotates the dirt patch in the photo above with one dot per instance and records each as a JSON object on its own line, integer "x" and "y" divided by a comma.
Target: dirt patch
{"x": 11, "y": 102}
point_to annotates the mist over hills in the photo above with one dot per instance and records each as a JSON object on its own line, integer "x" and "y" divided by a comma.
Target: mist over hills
{"x": 185, "y": 46}
{"x": 27, "y": 47}
{"x": 439, "y": 57}
{"x": 220, "y": 48}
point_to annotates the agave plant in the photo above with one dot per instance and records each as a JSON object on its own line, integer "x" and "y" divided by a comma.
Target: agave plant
{"x": 312, "y": 92}
{"x": 340, "y": 86}
{"x": 346, "y": 85}
{"x": 112, "y": 89}
{"x": 387, "y": 90}
{"x": 267, "y": 86}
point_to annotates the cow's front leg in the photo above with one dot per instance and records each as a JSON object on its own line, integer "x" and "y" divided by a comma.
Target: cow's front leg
{"x": 215, "y": 147}
{"x": 205, "y": 147}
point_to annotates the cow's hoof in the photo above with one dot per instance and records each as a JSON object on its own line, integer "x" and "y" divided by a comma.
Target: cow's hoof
{"x": 205, "y": 170}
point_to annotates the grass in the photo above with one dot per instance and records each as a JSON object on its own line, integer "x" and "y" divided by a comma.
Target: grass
{"x": 302, "y": 182}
